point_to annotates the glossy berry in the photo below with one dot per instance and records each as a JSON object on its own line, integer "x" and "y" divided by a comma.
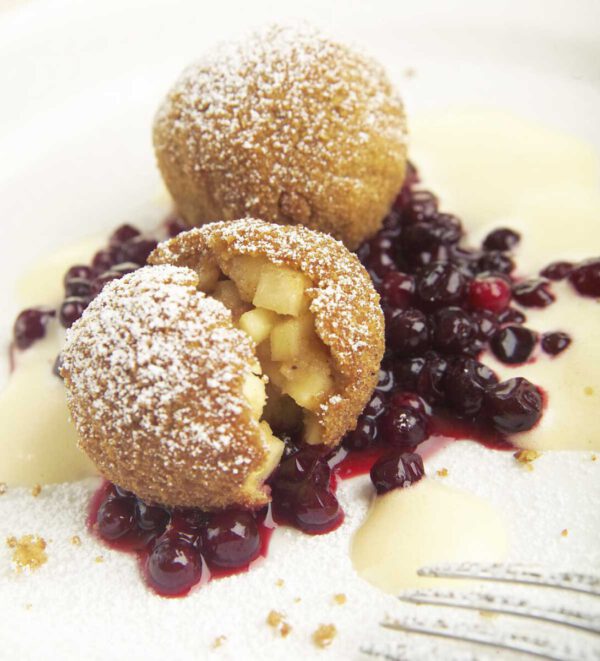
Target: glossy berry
{"x": 513, "y": 344}
{"x": 175, "y": 226}
{"x": 557, "y": 270}
{"x": 555, "y": 343}
{"x": 396, "y": 470}
{"x": 306, "y": 465}
{"x": 173, "y": 566}
{"x": 78, "y": 287}
{"x": 495, "y": 261}
{"x": 103, "y": 279}
{"x": 585, "y": 278}
{"x": 116, "y": 521}
{"x": 78, "y": 271}
{"x": 430, "y": 380}
{"x": 376, "y": 406}
{"x": 512, "y": 316}
{"x": 533, "y": 294}
{"x": 71, "y": 309}
{"x": 405, "y": 399}
{"x": 122, "y": 234}
{"x": 486, "y": 324}
{"x": 386, "y": 380}
{"x": 151, "y": 518}
{"x": 364, "y": 436}
{"x": 420, "y": 206}
{"x": 407, "y": 372}
{"x": 30, "y": 325}
{"x": 440, "y": 285}
{"x": 103, "y": 260}
{"x": 136, "y": 250}
{"x": 465, "y": 383}
{"x": 398, "y": 289}
{"x": 408, "y": 332}
{"x": 316, "y": 510}
{"x": 403, "y": 428}
{"x": 514, "y": 405}
{"x": 489, "y": 293}
{"x": 453, "y": 330}
{"x": 231, "y": 539}
{"x": 501, "y": 239}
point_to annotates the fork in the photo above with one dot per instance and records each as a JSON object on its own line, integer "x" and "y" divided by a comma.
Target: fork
{"x": 573, "y": 636}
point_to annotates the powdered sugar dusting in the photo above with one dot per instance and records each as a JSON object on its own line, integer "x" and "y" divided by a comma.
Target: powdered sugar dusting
{"x": 154, "y": 373}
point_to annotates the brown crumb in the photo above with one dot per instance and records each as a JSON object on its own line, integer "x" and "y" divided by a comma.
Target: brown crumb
{"x": 526, "y": 457}
{"x": 29, "y": 552}
{"x": 340, "y": 598}
{"x": 218, "y": 642}
{"x": 488, "y": 614}
{"x": 594, "y": 457}
{"x": 3, "y": 488}
{"x": 564, "y": 533}
{"x": 36, "y": 490}
{"x": 410, "y": 72}
{"x": 297, "y": 600}
{"x": 279, "y": 582}
{"x": 324, "y": 635}
{"x": 443, "y": 472}
{"x": 99, "y": 558}
{"x": 588, "y": 390}
{"x": 276, "y": 620}
{"x": 28, "y": 607}
{"x": 76, "y": 540}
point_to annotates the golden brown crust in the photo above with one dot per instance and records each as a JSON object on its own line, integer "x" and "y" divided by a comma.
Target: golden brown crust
{"x": 154, "y": 372}
{"x": 348, "y": 317}
{"x": 287, "y": 126}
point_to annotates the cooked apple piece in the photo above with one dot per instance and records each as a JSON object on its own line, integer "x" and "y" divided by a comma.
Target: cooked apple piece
{"x": 253, "y": 389}
{"x": 258, "y": 323}
{"x": 275, "y": 449}
{"x": 307, "y": 383}
{"x": 312, "y": 429}
{"x": 226, "y": 292}
{"x": 282, "y": 290}
{"x": 293, "y": 337}
{"x": 245, "y": 272}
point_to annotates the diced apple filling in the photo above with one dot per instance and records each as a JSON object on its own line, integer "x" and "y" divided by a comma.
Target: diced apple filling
{"x": 270, "y": 304}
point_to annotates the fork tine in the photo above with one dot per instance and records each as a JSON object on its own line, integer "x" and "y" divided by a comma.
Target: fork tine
{"x": 505, "y": 605}
{"x": 543, "y": 647}
{"x": 573, "y": 581}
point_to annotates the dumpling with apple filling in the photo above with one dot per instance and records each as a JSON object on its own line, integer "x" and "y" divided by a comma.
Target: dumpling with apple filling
{"x": 308, "y": 306}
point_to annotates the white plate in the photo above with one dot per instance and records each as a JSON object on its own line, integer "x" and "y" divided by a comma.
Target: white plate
{"x": 80, "y": 83}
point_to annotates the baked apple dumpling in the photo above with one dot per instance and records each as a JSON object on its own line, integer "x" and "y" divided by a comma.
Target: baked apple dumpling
{"x": 310, "y": 308}
{"x": 166, "y": 393}
{"x": 287, "y": 126}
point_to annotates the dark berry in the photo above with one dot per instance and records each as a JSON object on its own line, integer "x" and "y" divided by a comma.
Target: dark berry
{"x": 396, "y": 471}
{"x": 533, "y": 294}
{"x": 501, "y": 239}
{"x": 407, "y": 372}
{"x": 555, "y": 343}
{"x": 103, "y": 260}
{"x": 514, "y": 405}
{"x": 513, "y": 344}
{"x": 430, "y": 380}
{"x": 78, "y": 287}
{"x": 364, "y": 436}
{"x": 56, "y": 368}
{"x": 174, "y": 565}
{"x": 125, "y": 267}
{"x": 385, "y": 381}
{"x": 512, "y": 316}
{"x": 466, "y": 261}
{"x": 489, "y": 293}
{"x": 408, "y": 332}
{"x": 397, "y": 289}
{"x": 316, "y": 510}
{"x": 71, "y": 309}
{"x": 410, "y": 400}
{"x": 495, "y": 261}
{"x": 151, "y": 518}
{"x": 557, "y": 270}
{"x": 116, "y": 522}
{"x": 453, "y": 330}
{"x": 103, "y": 279}
{"x": 175, "y": 226}
{"x": 306, "y": 465}
{"x": 123, "y": 234}
{"x": 403, "y": 428}
{"x": 231, "y": 539}
{"x": 78, "y": 271}
{"x": 421, "y": 206}
{"x": 30, "y": 325}
{"x": 415, "y": 261}
{"x": 486, "y": 324}
{"x": 440, "y": 285}
{"x": 465, "y": 383}
{"x": 585, "y": 277}
{"x": 376, "y": 405}
{"x": 136, "y": 250}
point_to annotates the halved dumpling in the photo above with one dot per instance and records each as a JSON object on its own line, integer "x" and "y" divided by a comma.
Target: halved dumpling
{"x": 310, "y": 308}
